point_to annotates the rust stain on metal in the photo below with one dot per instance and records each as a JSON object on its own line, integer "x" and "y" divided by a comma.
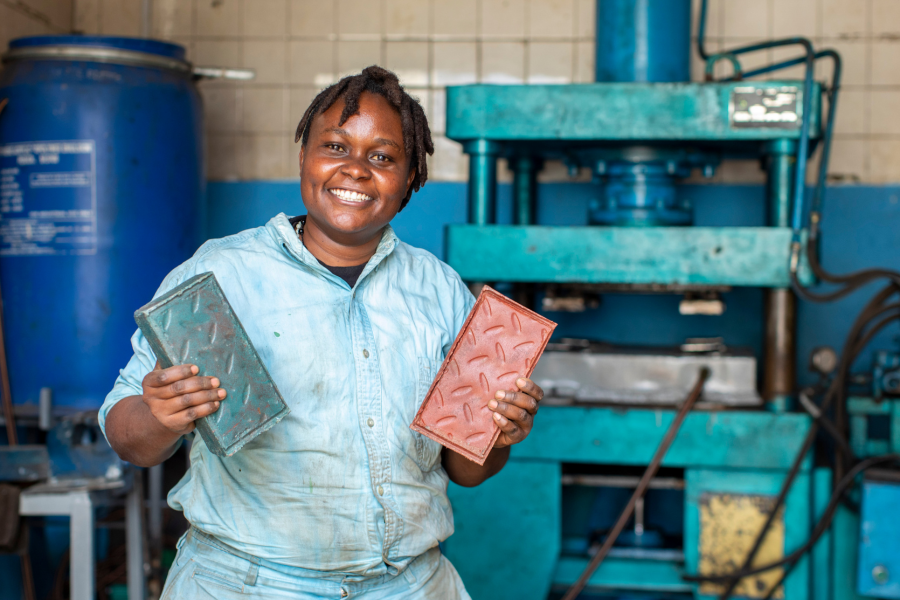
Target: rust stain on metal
{"x": 729, "y": 524}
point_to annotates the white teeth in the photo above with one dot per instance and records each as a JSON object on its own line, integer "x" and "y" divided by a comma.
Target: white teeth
{"x": 350, "y": 196}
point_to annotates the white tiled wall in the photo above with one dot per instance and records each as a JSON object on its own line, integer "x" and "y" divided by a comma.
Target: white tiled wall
{"x": 298, "y": 46}
{"x": 33, "y": 17}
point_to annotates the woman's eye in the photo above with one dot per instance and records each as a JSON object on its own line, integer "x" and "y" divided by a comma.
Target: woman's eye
{"x": 381, "y": 157}
{"x": 335, "y": 147}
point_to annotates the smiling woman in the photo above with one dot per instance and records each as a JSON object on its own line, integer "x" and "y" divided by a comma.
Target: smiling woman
{"x": 364, "y": 142}
{"x": 342, "y": 498}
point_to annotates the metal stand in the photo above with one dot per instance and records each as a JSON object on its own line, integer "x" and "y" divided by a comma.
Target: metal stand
{"x": 78, "y": 502}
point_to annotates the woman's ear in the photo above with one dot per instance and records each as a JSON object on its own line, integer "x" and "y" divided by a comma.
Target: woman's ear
{"x": 301, "y": 158}
{"x": 409, "y": 180}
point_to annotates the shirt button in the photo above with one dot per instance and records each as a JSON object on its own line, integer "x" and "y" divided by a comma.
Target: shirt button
{"x": 371, "y": 422}
{"x": 366, "y": 353}
{"x": 380, "y": 491}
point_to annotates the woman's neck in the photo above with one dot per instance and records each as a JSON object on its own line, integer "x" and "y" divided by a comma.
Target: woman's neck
{"x": 336, "y": 249}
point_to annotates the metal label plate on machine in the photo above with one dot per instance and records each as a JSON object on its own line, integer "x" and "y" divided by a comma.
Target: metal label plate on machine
{"x": 48, "y": 198}
{"x": 753, "y": 106}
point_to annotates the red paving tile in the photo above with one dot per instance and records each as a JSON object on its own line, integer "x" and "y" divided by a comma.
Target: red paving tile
{"x": 500, "y": 342}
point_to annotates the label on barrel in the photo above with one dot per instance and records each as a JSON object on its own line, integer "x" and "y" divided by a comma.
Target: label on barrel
{"x": 48, "y": 198}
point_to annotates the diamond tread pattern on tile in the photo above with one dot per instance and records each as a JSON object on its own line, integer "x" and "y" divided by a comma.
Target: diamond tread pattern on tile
{"x": 500, "y": 342}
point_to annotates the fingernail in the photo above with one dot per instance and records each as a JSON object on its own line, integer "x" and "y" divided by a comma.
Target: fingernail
{"x": 195, "y": 369}
{"x": 493, "y": 404}
{"x": 520, "y": 382}
{"x": 216, "y": 404}
{"x": 215, "y": 382}
{"x": 500, "y": 395}
{"x": 221, "y": 393}
{"x": 497, "y": 416}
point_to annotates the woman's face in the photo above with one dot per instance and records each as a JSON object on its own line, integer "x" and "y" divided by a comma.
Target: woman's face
{"x": 354, "y": 176}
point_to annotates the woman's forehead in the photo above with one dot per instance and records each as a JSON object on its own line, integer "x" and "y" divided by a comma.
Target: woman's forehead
{"x": 374, "y": 112}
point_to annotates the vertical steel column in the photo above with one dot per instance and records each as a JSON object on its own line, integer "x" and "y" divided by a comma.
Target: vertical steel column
{"x": 482, "y": 180}
{"x": 134, "y": 539}
{"x": 524, "y": 189}
{"x": 779, "y": 371}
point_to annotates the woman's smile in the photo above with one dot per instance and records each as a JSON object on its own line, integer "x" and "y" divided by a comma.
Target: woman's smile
{"x": 350, "y": 195}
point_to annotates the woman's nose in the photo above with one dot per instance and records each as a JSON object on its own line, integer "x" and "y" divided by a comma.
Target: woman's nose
{"x": 356, "y": 168}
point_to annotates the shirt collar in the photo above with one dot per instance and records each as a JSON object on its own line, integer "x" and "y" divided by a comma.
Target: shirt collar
{"x": 284, "y": 234}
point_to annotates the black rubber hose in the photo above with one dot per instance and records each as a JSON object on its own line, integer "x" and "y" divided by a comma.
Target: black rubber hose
{"x": 845, "y": 483}
{"x": 872, "y": 310}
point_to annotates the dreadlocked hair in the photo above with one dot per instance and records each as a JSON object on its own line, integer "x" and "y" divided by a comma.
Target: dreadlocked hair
{"x": 374, "y": 79}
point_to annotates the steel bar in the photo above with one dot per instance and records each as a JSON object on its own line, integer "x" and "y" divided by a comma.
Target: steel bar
{"x": 620, "y": 481}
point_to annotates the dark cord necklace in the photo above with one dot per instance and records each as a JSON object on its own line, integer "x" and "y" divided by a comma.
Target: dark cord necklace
{"x": 298, "y": 227}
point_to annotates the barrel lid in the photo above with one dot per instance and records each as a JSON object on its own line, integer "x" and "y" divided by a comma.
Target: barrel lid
{"x": 101, "y": 48}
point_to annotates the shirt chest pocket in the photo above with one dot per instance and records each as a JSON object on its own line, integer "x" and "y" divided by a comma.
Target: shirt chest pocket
{"x": 428, "y": 452}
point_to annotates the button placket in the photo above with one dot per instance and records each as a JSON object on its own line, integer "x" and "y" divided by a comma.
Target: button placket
{"x": 379, "y": 457}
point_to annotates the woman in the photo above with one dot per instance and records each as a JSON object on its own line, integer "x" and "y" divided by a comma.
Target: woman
{"x": 341, "y": 499}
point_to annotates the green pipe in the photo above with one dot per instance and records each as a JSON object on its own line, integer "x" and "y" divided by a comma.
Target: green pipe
{"x": 482, "y": 180}
{"x": 781, "y": 172}
{"x": 779, "y": 375}
{"x": 525, "y": 170}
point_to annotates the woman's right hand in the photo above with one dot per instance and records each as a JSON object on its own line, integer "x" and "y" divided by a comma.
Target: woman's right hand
{"x": 177, "y": 397}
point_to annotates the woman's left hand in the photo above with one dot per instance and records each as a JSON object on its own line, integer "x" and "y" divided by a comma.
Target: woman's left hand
{"x": 514, "y": 412}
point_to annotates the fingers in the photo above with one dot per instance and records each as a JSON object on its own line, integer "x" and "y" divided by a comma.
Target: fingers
{"x": 514, "y": 431}
{"x": 511, "y": 408}
{"x": 187, "y": 401}
{"x": 187, "y": 386}
{"x": 530, "y": 388}
{"x": 160, "y": 377}
{"x": 183, "y": 421}
{"x": 523, "y": 401}
{"x": 177, "y": 396}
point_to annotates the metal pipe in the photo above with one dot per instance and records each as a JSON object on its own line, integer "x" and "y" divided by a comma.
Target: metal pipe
{"x": 154, "y": 513}
{"x": 803, "y": 148}
{"x": 644, "y": 483}
{"x": 482, "y": 180}
{"x": 779, "y": 372}
{"x": 134, "y": 536}
{"x": 45, "y": 409}
{"x": 524, "y": 189}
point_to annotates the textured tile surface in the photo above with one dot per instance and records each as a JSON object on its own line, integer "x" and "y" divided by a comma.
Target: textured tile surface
{"x": 500, "y": 342}
{"x": 194, "y": 324}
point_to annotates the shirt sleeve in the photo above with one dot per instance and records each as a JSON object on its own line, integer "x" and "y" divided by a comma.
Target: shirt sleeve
{"x": 143, "y": 360}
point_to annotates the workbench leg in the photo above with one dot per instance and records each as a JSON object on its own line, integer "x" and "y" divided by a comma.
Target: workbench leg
{"x": 134, "y": 539}
{"x": 81, "y": 546}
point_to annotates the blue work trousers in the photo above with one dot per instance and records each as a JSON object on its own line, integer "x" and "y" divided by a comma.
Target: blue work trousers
{"x": 208, "y": 569}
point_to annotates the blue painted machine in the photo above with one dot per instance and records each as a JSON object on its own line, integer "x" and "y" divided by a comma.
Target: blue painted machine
{"x": 641, "y": 129}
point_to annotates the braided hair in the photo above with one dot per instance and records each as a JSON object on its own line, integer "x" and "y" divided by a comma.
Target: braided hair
{"x": 374, "y": 79}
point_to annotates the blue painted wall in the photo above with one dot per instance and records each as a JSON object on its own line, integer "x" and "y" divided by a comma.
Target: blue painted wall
{"x": 861, "y": 228}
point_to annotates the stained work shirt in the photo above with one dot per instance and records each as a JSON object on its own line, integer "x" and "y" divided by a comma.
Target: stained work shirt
{"x": 342, "y": 483}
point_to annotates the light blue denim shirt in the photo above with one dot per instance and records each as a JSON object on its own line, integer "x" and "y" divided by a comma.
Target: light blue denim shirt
{"x": 342, "y": 483}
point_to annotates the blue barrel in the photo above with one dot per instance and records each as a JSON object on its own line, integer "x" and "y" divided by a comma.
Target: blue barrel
{"x": 643, "y": 40}
{"x": 102, "y": 187}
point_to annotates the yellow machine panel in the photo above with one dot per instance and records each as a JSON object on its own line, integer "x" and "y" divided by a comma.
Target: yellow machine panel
{"x": 729, "y": 524}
